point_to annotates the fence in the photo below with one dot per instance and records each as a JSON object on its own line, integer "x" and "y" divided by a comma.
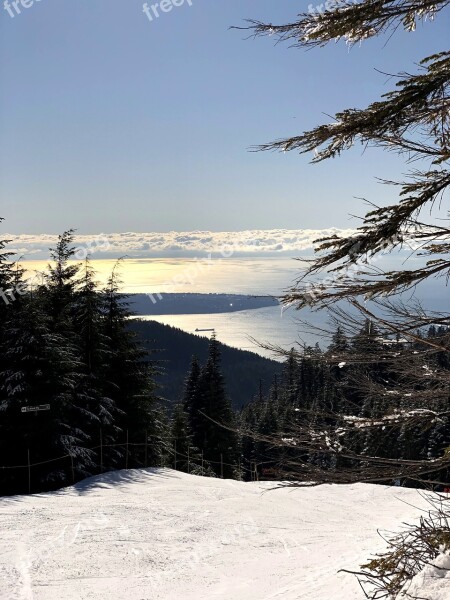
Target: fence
{"x": 171, "y": 451}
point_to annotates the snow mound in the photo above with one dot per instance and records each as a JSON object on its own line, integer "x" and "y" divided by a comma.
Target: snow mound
{"x": 433, "y": 583}
{"x": 160, "y": 534}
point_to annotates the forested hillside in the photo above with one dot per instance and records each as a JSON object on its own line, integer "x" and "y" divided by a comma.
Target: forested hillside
{"x": 246, "y": 374}
{"x": 85, "y": 389}
{"x": 367, "y": 408}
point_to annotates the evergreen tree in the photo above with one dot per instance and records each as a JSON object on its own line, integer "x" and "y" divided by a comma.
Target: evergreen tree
{"x": 187, "y": 457}
{"x": 25, "y": 365}
{"x": 192, "y": 402}
{"x": 95, "y": 354}
{"x": 216, "y": 420}
{"x": 339, "y": 342}
{"x": 249, "y": 420}
{"x": 131, "y": 383}
{"x": 70, "y": 419}
{"x": 290, "y": 379}
{"x": 62, "y": 283}
{"x": 7, "y": 288}
{"x": 412, "y": 120}
{"x": 266, "y": 455}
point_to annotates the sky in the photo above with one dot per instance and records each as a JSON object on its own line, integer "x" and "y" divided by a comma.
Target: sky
{"x": 112, "y": 123}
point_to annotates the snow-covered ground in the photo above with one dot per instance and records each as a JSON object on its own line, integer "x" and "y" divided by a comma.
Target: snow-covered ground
{"x": 432, "y": 583}
{"x": 160, "y": 534}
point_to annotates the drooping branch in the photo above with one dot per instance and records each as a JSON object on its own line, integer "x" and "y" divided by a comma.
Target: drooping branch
{"x": 414, "y": 118}
{"x": 351, "y": 20}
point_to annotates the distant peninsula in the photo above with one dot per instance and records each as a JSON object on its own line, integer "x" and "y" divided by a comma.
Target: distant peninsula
{"x": 196, "y": 304}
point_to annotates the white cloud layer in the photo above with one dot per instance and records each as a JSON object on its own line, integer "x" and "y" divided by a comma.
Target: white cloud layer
{"x": 274, "y": 242}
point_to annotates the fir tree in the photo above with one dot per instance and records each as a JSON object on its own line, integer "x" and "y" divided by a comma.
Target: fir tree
{"x": 217, "y": 423}
{"x": 70, "y": 418}
{"x": 131, "y": 380}
{"x": 95, "y": 353}
{"x": 187, "y": 457}
{"x": 192, "y": 402}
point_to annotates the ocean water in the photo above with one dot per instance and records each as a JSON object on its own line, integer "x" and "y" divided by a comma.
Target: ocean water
{"x": 204, "y": 275}
{"x": 253, "y": 276}
{"x": 248, "y": 329}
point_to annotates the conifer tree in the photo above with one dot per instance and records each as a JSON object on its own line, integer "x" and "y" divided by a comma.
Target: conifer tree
{"x": 6, "y": 279}
{"x": 186, "y": 456}
{"x": 70, "y": 417}
{"x": 217, "y": 423}
{"x": 131, "y": 380}
{"x": 412, "y": 120}
{"x": 95, "y": 354}
{"x": 62, "y": 282}
{"x": 192, "y": 402}
{"x": 24, "y": 382}
{"x": 249, "y": 420}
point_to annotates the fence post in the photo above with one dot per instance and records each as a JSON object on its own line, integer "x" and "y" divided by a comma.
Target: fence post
{"x": 221, "y": 465}
{"x": 175, "y": 459}
{"x": 126, "y": 454}
{"x": 146, "y": 449}
{"x": 189, "y": 460}
{"x": 101, "y": 450}
{"x": 71, "y": 464}
{"x": 203, "y": 471}
{"x": 29, "y": 472}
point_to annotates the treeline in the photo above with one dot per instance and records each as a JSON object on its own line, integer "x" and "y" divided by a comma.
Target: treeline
{"x": 365, "y": 395}
{"x": 79, "y": 390}
{"x": 66, "y": 347}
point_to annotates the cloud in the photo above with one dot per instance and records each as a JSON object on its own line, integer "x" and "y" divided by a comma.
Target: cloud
{"x": 256, "y": 243}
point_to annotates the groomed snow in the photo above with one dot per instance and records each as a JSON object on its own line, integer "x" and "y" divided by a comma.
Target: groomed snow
{"x": 161, "y": 534}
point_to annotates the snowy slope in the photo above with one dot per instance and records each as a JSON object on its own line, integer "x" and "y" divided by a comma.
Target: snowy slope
{"x": 160, "y": 534}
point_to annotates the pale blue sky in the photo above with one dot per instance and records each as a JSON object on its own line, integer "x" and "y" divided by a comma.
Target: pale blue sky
{"x": 111, "y": 123}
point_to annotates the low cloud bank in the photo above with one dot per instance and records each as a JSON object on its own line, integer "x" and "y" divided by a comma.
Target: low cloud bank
{"x": 275, "y": 242}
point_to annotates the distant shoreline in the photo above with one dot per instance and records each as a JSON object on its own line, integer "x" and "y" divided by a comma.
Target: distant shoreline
{"x": 196, "y": 304}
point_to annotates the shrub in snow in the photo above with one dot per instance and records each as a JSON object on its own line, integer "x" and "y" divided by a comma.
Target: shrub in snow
{"x": 415, "y": 556}
{"x": 432, "y": 583}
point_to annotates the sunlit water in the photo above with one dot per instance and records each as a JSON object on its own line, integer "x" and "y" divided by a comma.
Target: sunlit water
{"x": 255, "y": 276}
{"x": 203, "y": 275}
{"x": 246, "y": 329}
{"x": 264, "y": 276}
